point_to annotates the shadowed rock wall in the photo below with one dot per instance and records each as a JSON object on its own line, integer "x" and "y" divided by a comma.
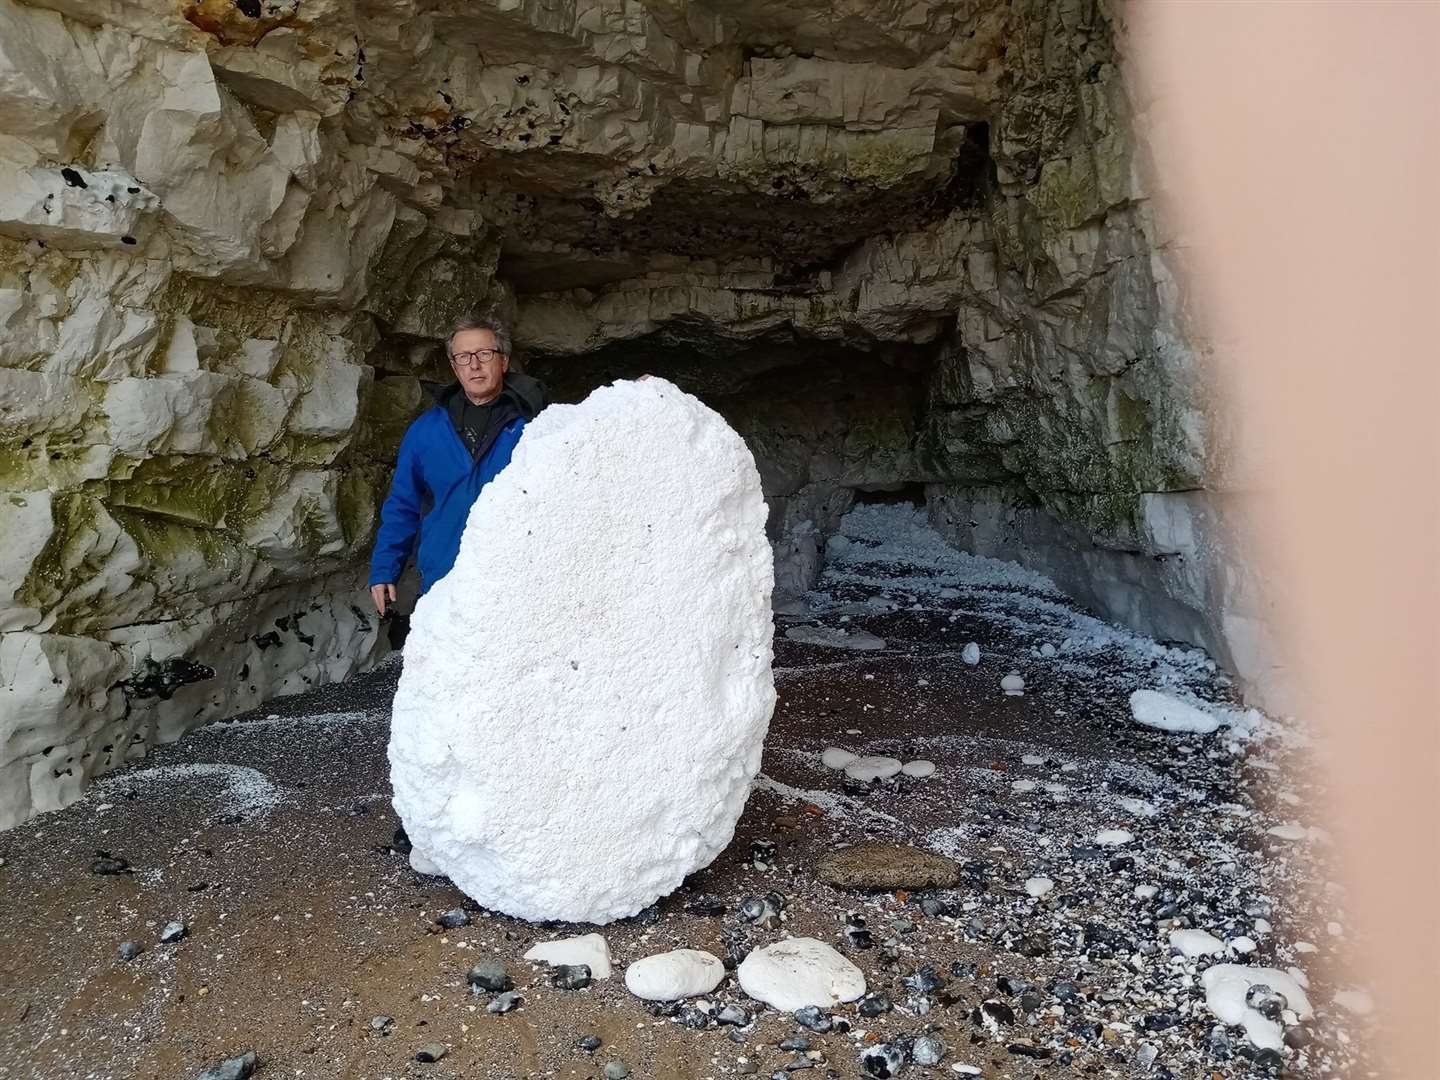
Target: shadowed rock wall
{"x": 895, "y": 243}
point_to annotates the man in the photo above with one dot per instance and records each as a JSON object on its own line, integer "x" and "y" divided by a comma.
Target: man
{"x": 448, "y": 454}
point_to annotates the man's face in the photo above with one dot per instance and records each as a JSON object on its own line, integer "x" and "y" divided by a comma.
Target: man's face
{"x": 481, "y": 377}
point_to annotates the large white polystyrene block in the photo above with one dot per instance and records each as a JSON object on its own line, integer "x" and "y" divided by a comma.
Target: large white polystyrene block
{"x": 585, "y": 694}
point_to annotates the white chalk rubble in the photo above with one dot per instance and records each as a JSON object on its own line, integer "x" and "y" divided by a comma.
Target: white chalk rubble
{"x": 1156, "y": 710}
{"x": 1226, "y": 987}
{"x": 670, "y": 976}
{"x": 797, "y": 972}
{"x": 589, "y": 949}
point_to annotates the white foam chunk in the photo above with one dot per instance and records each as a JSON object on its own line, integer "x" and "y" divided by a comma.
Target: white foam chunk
{"x": 589, "y": 949}
{"x": 670, "y": 976}
{"x": 1039, "y": 886}
{"x": 1196, "y": 943}
{"x": 971, "y": 654}
{"x": 874, "y": 767}
{"x": 797, "y": 972}
{"x": 918, "y": 768}
{"x": 1032, "y": 759}
{"x": 1226, "y": 986}
{"x": 835, "y": 638}
{"x": 1156, "y": 710}
{"x": 833, "y": 757}
{"x": 1113, "y": 837}
{"x": 607, "y": 623}
{"x": 1020, "y": 787}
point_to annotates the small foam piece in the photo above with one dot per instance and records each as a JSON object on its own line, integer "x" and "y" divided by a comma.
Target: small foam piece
{"x": 533, "y": 706}
{"x": 1138, "y": 807}
{"x": 1290, "y": 831}
{"x": 1020, "y": 787}
{"x": 971, "y": 654}
{"x": 920, "y": 768}
{"x": 1226, "y": 986}
{"x": 873, "y": 768}
{"x": 1355, "y": 1001}
{"x": 670, "y": 976}
{"x": 1013, "y": 683}
{"x": 1243, "y": 946}
{"x": 861, "y": 640}
{"x": 1113, "y": 837}
{"x": 1032, "y": 759}
{"x": 1038, "y": 886}
{"x": 1156, "y": 710}
{"x": 1196, "y": 943}
{"x": 833, "y": 757}
{"x": 589, "y": 949}
{"x": 1047, "y": 650}
{"x": 1145, "y": 892}
{"x": 800, "y": 972}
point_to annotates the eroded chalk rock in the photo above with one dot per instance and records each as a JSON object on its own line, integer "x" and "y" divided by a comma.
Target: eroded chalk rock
{"x": 538, "y": 709}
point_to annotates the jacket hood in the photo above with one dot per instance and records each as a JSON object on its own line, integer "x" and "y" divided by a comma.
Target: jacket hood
{"x": 528, "y": 394}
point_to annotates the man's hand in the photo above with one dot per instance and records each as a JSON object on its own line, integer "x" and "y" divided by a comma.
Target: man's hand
{"x": 380, "y": 594}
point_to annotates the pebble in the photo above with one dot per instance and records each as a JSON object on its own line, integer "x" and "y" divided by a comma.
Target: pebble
{"x": 106, "y": 864}
{"x": 874, "y": 767}
{"x": 814, "y": 1018}
{"x": 235, "y": 1068}
{"x": 872, "y": 1005}
{"x": 503, "y": 1003}
{"x": 489, "y": 975}
{"x": 1047, "y": 650}
{"x": 453, "y": 919}
{"x": 1020, "y": 787}
{"x": 381, "y": 1024}
{"x": 1113, "y": 837}
{"x": 835, "y": 757}
{"x": 882, "y": 1061}
{"x": 1013, "y": 684}
{"x": 918, "y": 769}
{"x": 1032, "y": 759}
{"x": 431, "y": 1052}
{"x": 174, "y": 931}
{"x": 615, "y": 1070}
{"x": 928, "y": 1050}
{"x": 128, "y": 950}
{"x": 588, "y": 1042}
{"x": 971, "y": 654}
{"x": 732, "y": 1015}
{"x": 798, "y": 1043}
{"x": 570, "y": 976}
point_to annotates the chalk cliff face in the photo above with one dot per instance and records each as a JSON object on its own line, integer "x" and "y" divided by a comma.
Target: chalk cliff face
{"x": 903, "y": 246}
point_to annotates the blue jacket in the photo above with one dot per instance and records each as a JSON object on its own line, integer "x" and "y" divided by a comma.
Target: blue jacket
{"x": 436, "y": 483}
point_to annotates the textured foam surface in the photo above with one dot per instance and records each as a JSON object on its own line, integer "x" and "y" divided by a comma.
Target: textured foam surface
{"x": 585, "y": 695}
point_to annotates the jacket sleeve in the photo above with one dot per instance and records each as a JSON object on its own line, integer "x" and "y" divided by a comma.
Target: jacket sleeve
{"x": 400, "y": 515}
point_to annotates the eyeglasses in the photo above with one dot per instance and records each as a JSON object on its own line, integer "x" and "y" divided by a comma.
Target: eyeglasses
{"x": 479, "y": 356}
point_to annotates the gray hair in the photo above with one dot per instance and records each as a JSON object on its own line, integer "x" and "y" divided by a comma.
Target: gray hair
{"x": 475, "y": 322}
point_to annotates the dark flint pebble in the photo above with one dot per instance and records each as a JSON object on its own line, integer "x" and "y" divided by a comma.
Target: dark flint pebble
{"x": 503, "y": 1003}
{"x": 882, "y": 1061}
{"x": 430, "y": 1052}
{"x": 695, "y": 1019}
{"x": 923, "y": 980}
{"x": 873, "y": 1005}
{"x": 128, "y": 950}
{"x": 588, "y": 1042}
{"x": 795, "y": 1042}
{"x": 489, "y": 975}
{"x": 105, "y": 863}
{"x": 570, "y": 976}
{"x": 1030, "y": 1050}
{"x": 733, "y": 1015}
{"x": 235, "y": 1068}
{"x": 174, "y": 931}
{"x": 814, "y": 1019}
{"x": 453, "y": 919}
